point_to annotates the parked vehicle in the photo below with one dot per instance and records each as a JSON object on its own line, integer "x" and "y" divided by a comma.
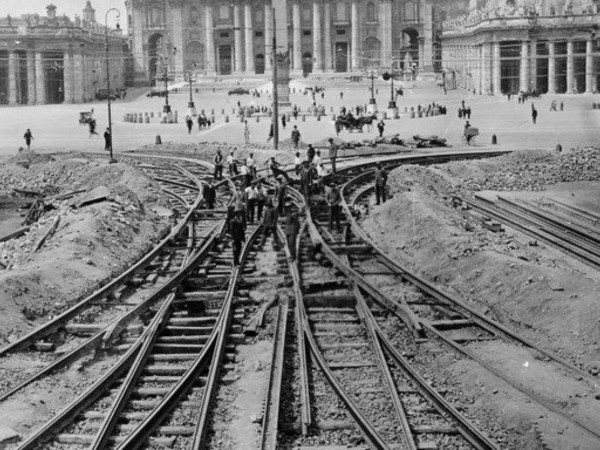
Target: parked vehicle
{"x": 239, "y": 91}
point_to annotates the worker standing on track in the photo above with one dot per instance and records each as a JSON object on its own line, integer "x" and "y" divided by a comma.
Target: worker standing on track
{"x": 333, "y": 151}
{"x": 281, "y": 193}
{"x": 270, "y": 224}
{"x": 334, "y": 198}
{"x": 231, "y": 165}
{"x": 380, "y": 184}
{"x": 310, "y": 153}
{"x": 251, "y": 195}
{"x": 218, "y": 175}
{"x": 292, "y": 228}
{"x": 238, "y": 234}
{"x": 209, "y": 194}
{"x": 261, "y": 197}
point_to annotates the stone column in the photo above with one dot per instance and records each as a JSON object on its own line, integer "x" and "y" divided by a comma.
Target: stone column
{"x": 177, "y": 43}
{"x": 297, "y": 38}
{"x": 427, "y": 62}
{"x": 78, "y": 81}
{"x": 249, "y": 36}
{"x": 211, "y": 61}
{"x": 385, "y": 22}
{"x": 68, "y": 77}
{"x": 551, "y": 68}
{"x": 327, "y": 41}
{"x": 13, "y": 65}
{"x": 237, "y": 32}
{"x": 268, "y": 37}
{"x": 589, "y": 67}
{"x": 487, "y": 68}
{"x": 533, "y": 65}
{"x": 355, "y": 41}
{"x": 497, "y": 72}
{"x": 524, "y": 79}
{"x": 30, "y": 77}
{"x": 317, "y": 40}
{"x": 40, "y": 79}
{"x": 570, "y": 68}
{"x": 479, "y": 80}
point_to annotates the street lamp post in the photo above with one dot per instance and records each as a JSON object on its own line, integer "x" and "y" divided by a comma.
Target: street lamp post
{"x": 275, "y": 122}
{"x": 372, "y": 75}
{"x": 110, "y": 148}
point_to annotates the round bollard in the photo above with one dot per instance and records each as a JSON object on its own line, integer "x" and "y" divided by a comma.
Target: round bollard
{"x": 223, "y": 111}
{"x": 333, "y": 117}
{"x": 226, "y": 119}
{"x": 257, "y": 119}
{"x": 152, "y": 114}
{"x": 558, "y": 148}
{"x": 212, "y": 112}
{"x": 494, "y": 139}
{"x": 212, "y": 119}
{"x": 158, "y": 140}
{"x": 412, "y": 114}
{"x": 201, "y": 112}
{"x": 140, "y": 119}
{"x": 147, "y": 119}
{"x": 303, "y": 118}
{"x": 318, "y": 117}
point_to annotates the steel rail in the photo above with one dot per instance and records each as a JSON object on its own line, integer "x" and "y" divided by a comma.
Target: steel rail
{"x": 82, "y": 402}
{"x": 226, "y": 316}
{"x": 446, "y": 298}
{"x": 270, "y": 422}
{"x": 369, "y": 432}
{"x": 54, "y": 324}
{"x": 466, "y": 429}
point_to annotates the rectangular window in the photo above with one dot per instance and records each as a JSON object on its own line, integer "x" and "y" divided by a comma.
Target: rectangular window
{"x": 306, "y": 33}
{"x": 341, "y": 32}
{"x": 224, "y": 34}
{"x": 258, "y": 34}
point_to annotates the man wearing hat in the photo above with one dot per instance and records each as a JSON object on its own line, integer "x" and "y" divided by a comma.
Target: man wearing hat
{"x": 333, "y": 151}
{"x": 218, "y": 175}
{"x": 292, "y": 228}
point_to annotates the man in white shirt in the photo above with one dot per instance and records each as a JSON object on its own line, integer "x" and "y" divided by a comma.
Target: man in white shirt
{"x": 251, "y": 164}
{"x": 251, "y": 197}
{"x": 231, "y": 165}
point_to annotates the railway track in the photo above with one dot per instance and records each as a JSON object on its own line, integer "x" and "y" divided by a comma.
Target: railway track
{"x": 106, "y": 323}
{"x": 444, "y": 319}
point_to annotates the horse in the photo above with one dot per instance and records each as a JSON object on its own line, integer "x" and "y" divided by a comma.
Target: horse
{"x": 351, "y": 123}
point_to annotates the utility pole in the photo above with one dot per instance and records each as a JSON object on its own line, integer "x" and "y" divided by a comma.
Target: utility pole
{"x": 275, "y": 94}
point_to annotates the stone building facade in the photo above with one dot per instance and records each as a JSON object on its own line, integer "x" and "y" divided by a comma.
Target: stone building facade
{"x": 511, "y": 46}
{"x": 54, "y": 59}
{"x": 235, "y": 37}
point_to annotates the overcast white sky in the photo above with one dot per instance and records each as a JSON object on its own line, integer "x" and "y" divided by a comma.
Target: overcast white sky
{"x": 68, "y": 7}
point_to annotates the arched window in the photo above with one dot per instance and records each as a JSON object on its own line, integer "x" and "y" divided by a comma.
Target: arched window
{"x": 224, "y": 12}
{"x": 410, "y": 12}
{"x": 371, "y": 12}
{"x": 340, "y": 12}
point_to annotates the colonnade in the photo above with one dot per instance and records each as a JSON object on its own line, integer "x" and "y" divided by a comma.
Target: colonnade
{"x": 480, "y": 67}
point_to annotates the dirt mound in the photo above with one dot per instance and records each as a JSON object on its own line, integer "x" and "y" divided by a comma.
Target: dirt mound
{"x": 90, "y": 243}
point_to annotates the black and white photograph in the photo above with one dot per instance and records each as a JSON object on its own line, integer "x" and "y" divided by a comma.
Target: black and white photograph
{"x": 299, "y": 224}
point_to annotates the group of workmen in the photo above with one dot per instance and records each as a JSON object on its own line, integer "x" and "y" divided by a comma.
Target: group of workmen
{"x": 252, "y": 202}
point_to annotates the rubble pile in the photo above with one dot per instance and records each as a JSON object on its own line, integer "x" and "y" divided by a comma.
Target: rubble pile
{"x": 523, "y": 172}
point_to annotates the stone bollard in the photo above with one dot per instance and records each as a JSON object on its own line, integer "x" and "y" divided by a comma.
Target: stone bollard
{"x": 140, "y": 119}
{"x": 303, "y": 118}
{"x": 223, "y": 111}
{"x": 147, "y": 119}
{"x": 318, "y": 117}
{"x": 212, "y": 112}
{"x": 412, "y": 114}
{"x": 406, "y": 109}
{"x": 152, "y": 114}
{"x": 158, "y": 140}
{"x": 163, "y": 119}
{"x": 212, "y": 120}
{"x": 226, "y": 119}
{"x": 288, "y": 118}
{"x": 494, "y": 139}
{"x": 201, "y": 112}
{"x": 257, "y": 118}
{"x": 334, "y": 117}
{"x": 558, "y": 148}
{"x": 159, "y": 114}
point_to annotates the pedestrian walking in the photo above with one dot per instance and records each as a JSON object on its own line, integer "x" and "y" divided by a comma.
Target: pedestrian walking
{"x": 218, "y": 175}
{"x": 334, "y": 198}
{"x": 553, "y": 105}
{"x": 28, "y": 138}
{"x": 283, "y": 121}
{"x": 271, "y": 133}
{"x": 534, "y": 114}
{"x": 381, "y": 127}
{"x": 209, "y": 194}
{"x": 238, "y": 236}
{"x": 380, "y": 184}
{"x": 562, "y": 106}
{"x": 295, "y": 137}
{"x": 246, "y": 132}
{"x": 333, "y": 151}
{"x": 107, "y": 140}
{"x": 341, "y": 96}
{"x": 92, "y": 126}
{"x": 190, "y": 124}
{"x": 292, "y": 228}
{"x": 270, "y": 224}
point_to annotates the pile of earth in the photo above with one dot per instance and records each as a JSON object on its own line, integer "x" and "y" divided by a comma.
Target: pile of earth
{"x": 532, "y": 288}
{"x": 90, "y": 244}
